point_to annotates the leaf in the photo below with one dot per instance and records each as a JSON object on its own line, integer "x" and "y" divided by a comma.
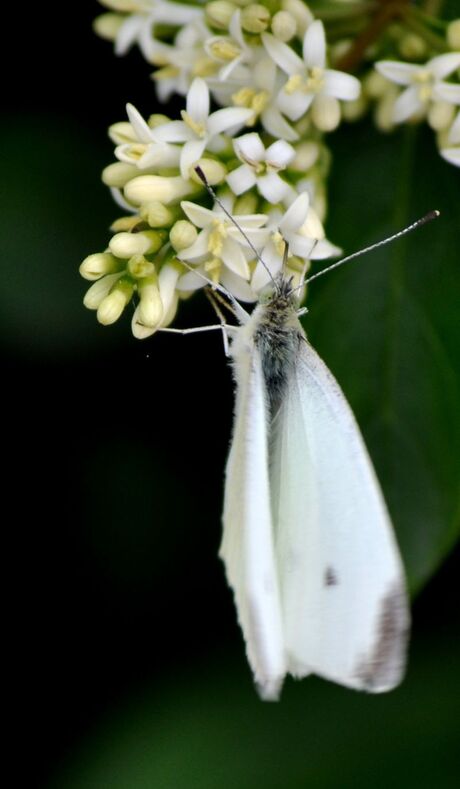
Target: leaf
{"x": 387, "y": 326}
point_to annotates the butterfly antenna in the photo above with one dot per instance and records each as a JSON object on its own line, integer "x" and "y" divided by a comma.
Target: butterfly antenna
{"x": 219, "y": 202}
{"x": 427, "y": 218}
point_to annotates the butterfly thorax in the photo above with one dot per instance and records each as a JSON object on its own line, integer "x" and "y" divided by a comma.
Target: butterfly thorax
{"x": 277, "y": 336}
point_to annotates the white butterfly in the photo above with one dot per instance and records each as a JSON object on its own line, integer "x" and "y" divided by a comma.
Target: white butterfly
{"x": 308, "y": 545}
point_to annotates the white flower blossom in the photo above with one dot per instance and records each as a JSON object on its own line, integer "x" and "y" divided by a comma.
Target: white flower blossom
{"x": 183, "y": 60}
{"x": 452, "y": 152}
{"x": 146, "y": 151}
{"x": 260, "y": 167}
{"x": 302, "y": 230}
{"x": 308, "y": 77}
{"x": 231, "y": 50}
{"x": 424, "y": 84}
{"x": 198, "y": 129}
{"x": 139, "y": 27}
{"x": 221, "y": 249}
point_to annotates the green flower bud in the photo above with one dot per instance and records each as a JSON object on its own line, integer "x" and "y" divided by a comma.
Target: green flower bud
{"x": 213, "y": 170}
{"x": 255, "y": 18}
{"x": 156, "y": 214}
{"x": 146, "y": 188}
{"x": 453, "y": 34}
{"x": 412, "y": 47}
{"x": 118, "y": 174}
{"x": 112, "y": 306}
{"x": 125, "y": 245}
{"x": 219, "y": 13}
{"x": 284, "y": 26}
{"x": 325, "y": 113}
{"x": 440, "y": 115}
{"x": 98, "y": 265}
{"x": 150, "y": 310}
{"x": 139, "y": 266}
{"x": 157, "y": 119}
{"x": 107, "y": 26}
{"x": 183, "y": 234}
{"x": 246, "y": 204}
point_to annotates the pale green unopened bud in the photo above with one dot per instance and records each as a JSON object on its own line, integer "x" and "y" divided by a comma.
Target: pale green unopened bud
{"x": 375, "y": 85}
{"x": 440, "y": 115}
{"x": 213, "y": 170}
{"x": 453, "y": 34}
{"x": 412, "y": 47}
{"x": 146, "y": 188}
{"x": 354, "y": 110}
{"x": 157, "y": 119}
{"x": 139, "y": 266}
{"x": 112, "y": 306}
{"x": 125, "y": 245}
{"x": 156, "y": 214}
{"x": 246, "y": 204}
{"x": 255, "y": 18}
{"x": 118, "y": 174}
{"x": 121, "y": 133}
{"x": 98, "y": 265}
{"x": 340, "y": 49}
{"x": 150, "y": 310}
{"x": 219, "y": 13}
{"x": 301, "y": 13}
{"x": 183, "y": 234}
{"x": 306, "y": 156}
{"x": 125, "y": 224}
{"x": 284, "y": 26}
{"x": 124, "y": 6}
{"x": 97, "y": 292}
{"x": 107, "y": 26}
{"x": 325, "y": 113}
{"x": 384, "y": 110}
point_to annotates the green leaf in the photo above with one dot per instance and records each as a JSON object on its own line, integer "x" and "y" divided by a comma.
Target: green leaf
{"x": 387, "y": 327}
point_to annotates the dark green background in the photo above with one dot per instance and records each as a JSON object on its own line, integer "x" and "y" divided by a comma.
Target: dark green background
{"x": 130, "y": 668}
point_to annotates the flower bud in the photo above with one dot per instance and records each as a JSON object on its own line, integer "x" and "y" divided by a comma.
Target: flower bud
{"x": 146, "y": 188}
{"x": 301, "y": 13}
{"x": 354, "y": 110}
{"x": 124, "y": 6}
{"x": 98, "y": 265}
{"x": 97, "y": 292}
{"x": 125, "y": 224}
{"x": 150, "y": 311}
{"x": 284, "y": 26}
{"x": 107, "y": 26}
{"x": 118, "y": 174}
{"x": 246, "y": 204}
{"x": 219, "y": 13}
{"x": 255, "y": 18}
{"x": 121, "y": 133}
{"x": 412, "y": 47}
{"x": 139, "y": 266}
{"x": 157, "y": 119}
{"x": 156, "y": 214}
{"x": 306, "y": 154}
{"x": 325, "y": 113}
{"x": 453, "y": 34}
{"x": 224, "y": 49}
{"x": 125, "y": 245}
{"x": 182, "y": 235}
{"x": 384, "y": 110}
{"x": 440, "y": 115}
{"x": 213, "y": 170}
{"x": 375, "y": 85}
{"x": 112, "y": 306}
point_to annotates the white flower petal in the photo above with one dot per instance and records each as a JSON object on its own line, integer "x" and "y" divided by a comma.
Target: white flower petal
{"x": 301, "y": 246}
{"x": 273, "y": 262}
{"x": 443, "y": 65}
{"x": 241, "y": 179}
{"x": 198, "y": 100}
{"x": 191, "y": 153}
{"x": 160, "y": 155}
{"x": 250, "y": 221}
{"x": 197, "y": 250}
{"x": 240, "y": 289}
{"x": 118, "y": 197}
{"x": 324, "y": 249}
{"x": 279, "y": 154}
{"x": 264, "y": 74}
{"x": 198, "y": 214}
{"x": 401, "y": 73}
{"x": 249, "y": 148}
{"x": 294, "y": 105}
{"x": 340, "y": 85}
{"x": 174, "y": 131}
{"x": 191, "y": 281}
{"x": 276, "y": 125}
{"x": 272, "y": 187}
{"x": 283, "y": 55}
{"x": 142, "y": 130}
{"x": 314, "y": 45}
{"x": 235, "y": 31}
{"x": 234, "y": 258}
{"x": 407, "y": 104}
{"x": 447, "y": 91}
{"x": 128, "y": 33}
{"x": 227, "y": 118}
{"x": 296, "y": 215}
{"x": 454, "y": 134}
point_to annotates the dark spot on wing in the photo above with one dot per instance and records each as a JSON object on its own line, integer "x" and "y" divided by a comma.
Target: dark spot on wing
{"x": 330, "y": 577}
{"x": 383, "y": 668}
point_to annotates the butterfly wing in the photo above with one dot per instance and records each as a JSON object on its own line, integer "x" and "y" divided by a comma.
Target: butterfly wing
{"x": 342, "y": 583}
{"x": 247, "y": 547}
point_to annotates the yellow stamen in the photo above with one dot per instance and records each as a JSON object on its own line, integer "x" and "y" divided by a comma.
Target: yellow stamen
{"x": 195, "y": 126}
{"x": 217, "y": 237}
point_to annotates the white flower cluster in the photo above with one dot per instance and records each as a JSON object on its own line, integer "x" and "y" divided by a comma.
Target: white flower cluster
{"x": 264, "y": 65}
